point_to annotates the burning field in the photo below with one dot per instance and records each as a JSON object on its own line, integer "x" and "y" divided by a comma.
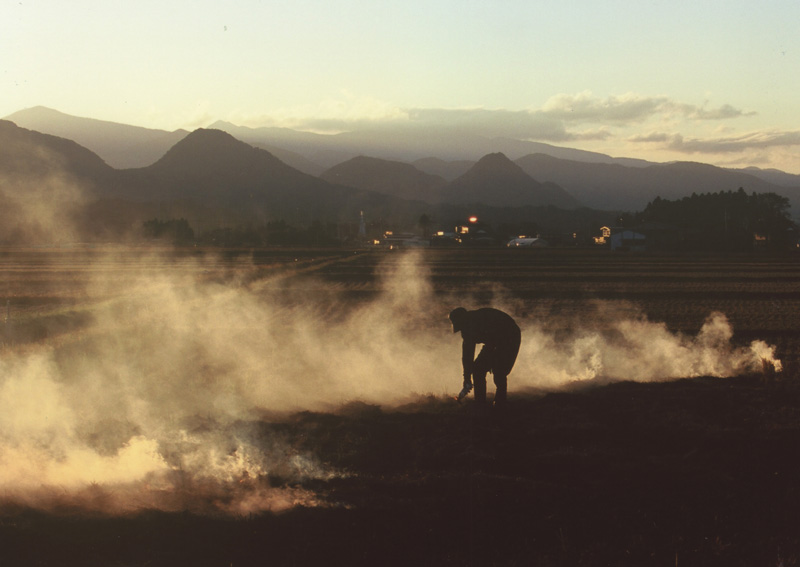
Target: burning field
{"x": 288, "y": 407}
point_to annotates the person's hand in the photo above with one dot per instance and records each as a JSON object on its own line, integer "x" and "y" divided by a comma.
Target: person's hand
{"x": 464, "y": 391}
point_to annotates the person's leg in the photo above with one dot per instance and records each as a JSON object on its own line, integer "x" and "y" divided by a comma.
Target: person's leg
{"x": 501, "y": 388}
{"x": 504, "y": 360}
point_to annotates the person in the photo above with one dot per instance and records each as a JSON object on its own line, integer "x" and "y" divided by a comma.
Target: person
{"x": 500, "y": 336}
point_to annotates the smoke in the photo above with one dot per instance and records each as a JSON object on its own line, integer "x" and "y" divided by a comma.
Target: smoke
{"x": 636, "y": 349}
{"x": 39, "y": 212}
{"x": 38, "y": 196}
{"x": 160, "y": 401}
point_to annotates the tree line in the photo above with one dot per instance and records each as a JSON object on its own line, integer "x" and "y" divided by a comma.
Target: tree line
{"x": 724, "y": 221}
{"x": 728, "y": 220}
{"x": 277, "y": 233}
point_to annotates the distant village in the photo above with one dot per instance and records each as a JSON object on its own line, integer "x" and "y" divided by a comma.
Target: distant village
{"x": 719, "y": 222}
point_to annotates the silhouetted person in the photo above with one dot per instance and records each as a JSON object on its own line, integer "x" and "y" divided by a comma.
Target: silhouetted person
{"x": 500, "y": 336}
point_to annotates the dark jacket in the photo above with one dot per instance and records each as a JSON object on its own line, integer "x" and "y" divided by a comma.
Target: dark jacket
{"x": 494, "y": 329}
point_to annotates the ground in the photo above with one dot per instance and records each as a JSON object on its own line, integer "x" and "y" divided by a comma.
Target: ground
{"x": 699, "y": 471}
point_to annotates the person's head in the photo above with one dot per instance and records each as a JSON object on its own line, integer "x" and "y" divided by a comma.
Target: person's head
{"x": 458, "y": 317}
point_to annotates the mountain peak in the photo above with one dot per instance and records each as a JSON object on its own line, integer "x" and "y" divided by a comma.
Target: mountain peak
{"x": 495, "y": 167}
{"x": 36, "y": 111}
{"x": 388, "y": 177}
{"x": 209, "y": 149}
{"x": 119, "y": 145}
{"x": 496, "y": 180}
{"x": 496, "y": 157}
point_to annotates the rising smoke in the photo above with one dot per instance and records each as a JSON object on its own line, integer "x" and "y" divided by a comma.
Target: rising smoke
{"x": 158, "y": 400}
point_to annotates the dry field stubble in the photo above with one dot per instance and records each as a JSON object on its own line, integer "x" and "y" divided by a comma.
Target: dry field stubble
{"x": 692, "y": 472}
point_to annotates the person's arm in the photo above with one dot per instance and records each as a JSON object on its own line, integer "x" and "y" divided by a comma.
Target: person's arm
{"x": 467, "y": 354}
{"x": 467, "y": 358}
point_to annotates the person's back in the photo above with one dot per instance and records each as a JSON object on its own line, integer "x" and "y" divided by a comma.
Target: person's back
{"x": 489, "y": 326}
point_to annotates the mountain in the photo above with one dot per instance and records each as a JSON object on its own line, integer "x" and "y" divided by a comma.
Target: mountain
{"x": 616, "y": 187}
{"x": 388, "y": 177}
{"x": 45, "y": 181}
{"x": 774, "y": 176}
{"x": 53, "y": 189}
{"x": 119, "y": 145}
{"x": 28, "y": 154}
{"x": 293, "y": 159}
{"x": 404, "y": 144}
{"x": 318, "y": 149}
{"x": 213, "y": 167}
{"x": 497, "y": 181}
{"x": 448, "y": 170}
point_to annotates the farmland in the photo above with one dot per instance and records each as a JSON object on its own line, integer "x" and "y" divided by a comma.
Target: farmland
{"x": 611, "y": 452}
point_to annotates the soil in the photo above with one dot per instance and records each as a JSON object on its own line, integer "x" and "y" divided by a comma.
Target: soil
{"x": 701, "y": 471}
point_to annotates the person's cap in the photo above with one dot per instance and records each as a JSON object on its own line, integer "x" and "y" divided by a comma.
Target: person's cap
{"x": 458, "y": 317}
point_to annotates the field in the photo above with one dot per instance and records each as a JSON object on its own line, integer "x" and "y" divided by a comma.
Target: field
{"x": 285, "y": 407}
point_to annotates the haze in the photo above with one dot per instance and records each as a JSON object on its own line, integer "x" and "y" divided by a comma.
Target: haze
{"x": 155, "y": 402}
{"x": 713, "y": 81}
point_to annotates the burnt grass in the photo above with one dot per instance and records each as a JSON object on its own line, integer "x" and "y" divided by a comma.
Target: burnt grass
{"x": 692, "y": 472}
{"x": 701, "y": 471}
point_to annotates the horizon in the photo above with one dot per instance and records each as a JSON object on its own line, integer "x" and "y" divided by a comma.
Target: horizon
{"x": 714, "y": 83}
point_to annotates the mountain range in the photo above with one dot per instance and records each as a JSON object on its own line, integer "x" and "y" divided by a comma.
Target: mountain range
{"x": 120, "y": 145}
{"x": 230, "y": 174}
{"x": 208, "y": 177}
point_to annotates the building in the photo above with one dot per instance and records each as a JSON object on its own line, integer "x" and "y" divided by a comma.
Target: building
{"x": 628, "y": 241}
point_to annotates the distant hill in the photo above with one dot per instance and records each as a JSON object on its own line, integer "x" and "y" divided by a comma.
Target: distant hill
{"x": 591, "y": 178}
{"x": 293, "y": 159}
{"x": 774, "y": 176}
{"x": 616, "y": 187}
{"x": 404, "y": 144}
{"x": 497, "y": 181}
{"x": 119, "y": 145}
{"x": 209, "y": 178}
{"x": 316, "y": 148}
{"x": 45, "y": 182}
{"x": 388, "y": 177}
{"x": 448, "y": 170}
{"x": 215, "y": 168}
{"x": 26, "y": 154}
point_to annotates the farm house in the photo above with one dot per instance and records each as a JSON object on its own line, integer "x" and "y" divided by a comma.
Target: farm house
{"x": 628, "y": 240}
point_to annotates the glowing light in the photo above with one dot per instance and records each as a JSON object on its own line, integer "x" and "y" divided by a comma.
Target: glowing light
{"x": 473, "y": 219}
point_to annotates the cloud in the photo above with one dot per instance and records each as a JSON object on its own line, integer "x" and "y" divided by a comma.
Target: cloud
{"x": 585, "y": 107}
{"x": 723, "y": 112}
{"x": 563, "y": 118}
{"x": 344, "y": 113}
{"x": 629, "y": 108}
{"x": 653, "y": 137}
{"x": 749, "y": 141}
{"x": 521, "y": 124}
{"x": 588, "y": 135}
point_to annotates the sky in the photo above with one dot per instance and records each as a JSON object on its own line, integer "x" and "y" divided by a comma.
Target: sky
{"x": 703, "y": 80}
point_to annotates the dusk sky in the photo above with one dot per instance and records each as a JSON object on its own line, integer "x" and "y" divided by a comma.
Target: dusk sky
{"x": 710, "y": 81}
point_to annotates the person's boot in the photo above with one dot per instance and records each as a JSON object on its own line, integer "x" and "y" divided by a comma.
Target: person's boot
{"x": 501, "y": 394}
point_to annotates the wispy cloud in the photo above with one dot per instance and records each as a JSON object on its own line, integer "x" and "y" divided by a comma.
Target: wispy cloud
{"x": 652, "y": 137}
{"x": 563, "y": 118}
{"x": 750, "y": 141}
{"x": 630, "y": 108}
{"x": 585, "y": 107}
{"x": 724, "y": 112}
{"x": 725, "y": 144}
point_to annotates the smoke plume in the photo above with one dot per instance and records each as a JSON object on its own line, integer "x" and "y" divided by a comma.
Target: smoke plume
{"x": 159, "y": 399}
